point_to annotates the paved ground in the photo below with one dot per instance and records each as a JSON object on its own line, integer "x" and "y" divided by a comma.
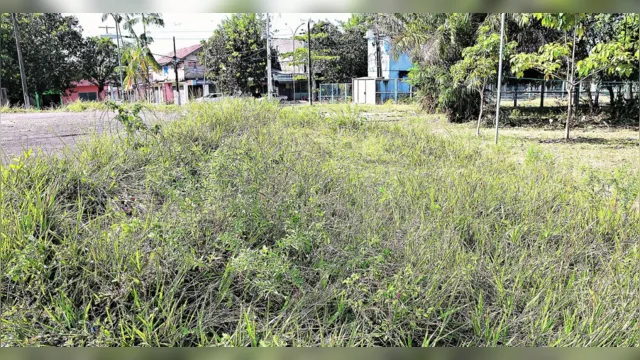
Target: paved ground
{"x": 54, "y": 131}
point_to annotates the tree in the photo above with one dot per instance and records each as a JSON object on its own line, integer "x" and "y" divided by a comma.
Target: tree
{"x": 353, "y": 50}
{"x": 139, "y": 58}
{"x": 435, "y": 42}
{"x": 237, "y": 49}
{"x": 117, "y": 18}
{"x": 51, "y": 45}
{"x": 479, "y": 64}
{"x": 558, "y": 59}
{"x": 139, "y": 62}
{"x": 99, "y": 62}
{"x": 325, "y": 47}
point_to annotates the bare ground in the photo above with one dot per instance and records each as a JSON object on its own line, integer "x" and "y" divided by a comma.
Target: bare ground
{"x": 51, "y": 132}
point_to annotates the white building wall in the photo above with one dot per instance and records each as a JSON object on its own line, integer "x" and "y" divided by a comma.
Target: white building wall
{"x": 385, "y": 56}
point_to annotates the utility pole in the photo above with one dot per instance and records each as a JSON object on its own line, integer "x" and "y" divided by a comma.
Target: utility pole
{"x": 309, "y": 75}
{"x": 499, "y": 77}
{"x": 204, "y": 76}
{"x": 119, "y": 59}
{"x": 106, "y": 28}
{"x": 175, "y": 68}
{"x": 16, "y": 33}
{"x": 119, "y": 55}
{"x": 269, "y": 78}
{"x": 293, "y": 77}
{"x": 378, "y": 53}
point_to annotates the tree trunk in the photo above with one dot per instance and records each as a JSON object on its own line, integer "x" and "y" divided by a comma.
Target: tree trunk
{"x": 612, "y": 95}
{"x": 590, "y": 98}
{"x": 481, "y": 108}
{"x": 596, "y": 101}
{"x": 100, "y": 90}
{"x": 146, "y": 80}
{"x": 569, "y": 111}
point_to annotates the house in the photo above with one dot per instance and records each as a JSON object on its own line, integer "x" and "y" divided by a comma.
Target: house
{"x": 191, "y": 77}
{"x": 83, "y": 90}
{"x": 387, "y": 76}
{"x": 291, "y": 79}
{"x": 193, "y": 84}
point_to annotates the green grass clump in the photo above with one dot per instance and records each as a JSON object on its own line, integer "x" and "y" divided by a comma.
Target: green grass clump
{"x": 248, "y": 224}
{"x": 82, "y": 106}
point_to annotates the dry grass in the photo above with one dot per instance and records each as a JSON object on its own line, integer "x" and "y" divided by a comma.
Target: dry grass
{"x": 249, "y": 224}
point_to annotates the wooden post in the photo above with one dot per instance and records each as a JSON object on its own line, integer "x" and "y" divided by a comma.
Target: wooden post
{"x": 515, "y": 97}
{"x": 542, "y": 94}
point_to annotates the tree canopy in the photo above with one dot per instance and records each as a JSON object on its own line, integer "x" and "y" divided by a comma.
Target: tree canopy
{"x": 237, "y": 49}
{"x": 99, "y": 62}
{"x": 447, "y": 51}
{"x": 51, "y": 44}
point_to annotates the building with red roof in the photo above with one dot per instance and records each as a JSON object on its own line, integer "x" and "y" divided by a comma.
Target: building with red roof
{"x": 190, "y": 76}
{"x": 83, "y": 90}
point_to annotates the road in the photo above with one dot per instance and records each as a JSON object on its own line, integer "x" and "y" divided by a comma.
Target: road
{"x": 52, "y": 131}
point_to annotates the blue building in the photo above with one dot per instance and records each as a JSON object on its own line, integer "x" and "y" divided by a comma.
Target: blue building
{"x": 386, "y": 75}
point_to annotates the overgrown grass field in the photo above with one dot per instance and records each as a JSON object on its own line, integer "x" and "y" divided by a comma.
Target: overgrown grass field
{"x": 250, "y": 224}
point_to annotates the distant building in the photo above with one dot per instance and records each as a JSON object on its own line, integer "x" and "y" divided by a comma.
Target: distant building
{"x": 83, "y": 90}
{"x": 386, "y": 75}
{"x": 286, "y": 78}
{"x": 283, "y": 79}
{"x": 390, "y": 68}
{"x": 190, "y": 77}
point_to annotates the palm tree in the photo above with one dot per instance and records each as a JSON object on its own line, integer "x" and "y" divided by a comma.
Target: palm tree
{"x": 141, "y": 56}
{"x": 150, "y": 19}
{"x": 117, "y": 18}
{"x": 140, "y": 62}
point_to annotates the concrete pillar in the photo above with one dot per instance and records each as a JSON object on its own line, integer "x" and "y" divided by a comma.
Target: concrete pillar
{"x": 205, "y": 89}
{"x": 185, "y": 93}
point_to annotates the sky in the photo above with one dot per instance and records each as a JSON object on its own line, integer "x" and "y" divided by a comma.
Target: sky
{"x": 189, "y": 29}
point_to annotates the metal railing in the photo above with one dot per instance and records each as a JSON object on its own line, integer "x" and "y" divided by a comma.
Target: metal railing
{"x": 393, "y": 90}
{"x": 552, "y": 93}
{"x": 335, "y": 93}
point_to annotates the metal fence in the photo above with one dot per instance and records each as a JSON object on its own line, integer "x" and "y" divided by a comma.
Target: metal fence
{"x": 553, "y": 93}
{"x": 393, "y": 90}
{"x": 379, "y": 91}
{"x": 335, "y": 93}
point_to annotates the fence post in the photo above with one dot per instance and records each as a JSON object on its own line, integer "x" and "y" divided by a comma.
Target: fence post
{"x": 332, "y": 93}
{"x": 515, "y": 97}
{"x": 542, "y": 94}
